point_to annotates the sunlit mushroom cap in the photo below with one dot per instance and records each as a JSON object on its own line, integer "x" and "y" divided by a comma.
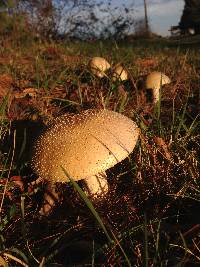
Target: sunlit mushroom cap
{"x": 84, "y": 144}
{"x": 98, "y": 66}
{"x": 119, "y": 73}
{"x": 155, "y": 81}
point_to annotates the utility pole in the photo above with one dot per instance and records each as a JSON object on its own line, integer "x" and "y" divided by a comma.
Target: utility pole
{"x": 146, "y": 18}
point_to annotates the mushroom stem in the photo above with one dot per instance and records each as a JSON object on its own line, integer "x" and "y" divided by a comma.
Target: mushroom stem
{"x": 156, "y": 94}
{"x": 97, "y": 185}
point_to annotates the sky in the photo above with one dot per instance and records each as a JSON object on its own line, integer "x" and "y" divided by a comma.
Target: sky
{"x": 162, "y": 13}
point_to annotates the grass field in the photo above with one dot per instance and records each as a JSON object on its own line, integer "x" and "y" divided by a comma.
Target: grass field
{"x": 150, "y": 216}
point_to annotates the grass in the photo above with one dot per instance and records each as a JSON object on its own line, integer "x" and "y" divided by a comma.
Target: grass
{"x": 151, "y": 215}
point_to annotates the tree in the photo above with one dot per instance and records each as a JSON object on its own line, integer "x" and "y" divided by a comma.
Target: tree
{"x": 146, "y": 18}
{"x": 91, "y": 19}
{"x": 12, "y": 22}
{"x": 190, "y": 18}
{"x": 43, "y": 16}
{"x": 84, "y": 19}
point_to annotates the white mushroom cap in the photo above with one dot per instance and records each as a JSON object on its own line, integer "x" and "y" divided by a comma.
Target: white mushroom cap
{"x": 119, "y": 73}
{"x": 84, "y": 144}
{"x": 98, "y": 66}
{"x": 155, "y": 81}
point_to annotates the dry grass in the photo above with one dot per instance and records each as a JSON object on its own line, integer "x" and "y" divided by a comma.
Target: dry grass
{"x": 152, "y": 210}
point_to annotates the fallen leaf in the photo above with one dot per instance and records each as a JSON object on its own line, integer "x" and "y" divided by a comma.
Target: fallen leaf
{"x": 17, "y": 180}
{"x": 162, "y": 144}
{"x": 5, "y": 84}
{"x": 147, "y": 62}
{"x": 51, "y": 197}
{"x": 26, "y": 92}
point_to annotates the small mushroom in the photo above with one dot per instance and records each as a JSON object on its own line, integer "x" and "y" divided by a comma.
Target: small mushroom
{"x": 98, "y": 66}
{"x": 85, "y": 145}
{"x": 155, "y": 81}
{"x": 119, "y": 73}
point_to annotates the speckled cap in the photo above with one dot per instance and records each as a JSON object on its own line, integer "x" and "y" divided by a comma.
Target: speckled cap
{"x": 84, "y": 144}
{"x": 98, "y": 66}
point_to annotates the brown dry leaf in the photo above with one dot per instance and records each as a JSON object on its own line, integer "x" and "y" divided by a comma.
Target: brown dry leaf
{"x": 72, "y": 59}
{"x": 5, "y": 84}
{"x": 18, "y": 108}
{"x": 147, "y": 62}
{"x": 161, "y": 143}
{"x": 51, "y": 196}
{"x": 32, "y": 92}
{"x": 59, "y": 92}
{"x": 22, "y": 83}
{"x": 17, "y": 180}
{"x": 5, "y": 60}
{"x": 23, "y": 61}
{"x": 2, "y": 181}
{"x": 51, "y": 52}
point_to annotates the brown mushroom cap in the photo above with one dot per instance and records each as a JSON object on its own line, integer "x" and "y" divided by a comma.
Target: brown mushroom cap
{"x": 84, "y": 144}
{"x": 119, "y": 73}
{"x": 98, "y": 66}
{"x": 155, "y": 79}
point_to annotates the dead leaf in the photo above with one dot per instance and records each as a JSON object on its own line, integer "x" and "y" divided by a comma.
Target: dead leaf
{"x": 31, "y": 92}
{"x": 5, "y": 84}
{"x": 51, "y": 197}
{"x": 5, "y": 60}
{"x": 17, "y": 180}
{"x": 23, "y": 83}
{"x": 147, "y": 62}
{"x": 72, "y": 59}
{"x": 162, "y": 144}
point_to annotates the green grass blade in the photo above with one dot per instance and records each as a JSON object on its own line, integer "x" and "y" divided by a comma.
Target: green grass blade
{"x": 22, "y": 206}
{"x": 89, "y": 204}
{"x": 3, "y": 105}
{"x": 146, "y": 254}
{"x": 157, "y": 244}
{"x": 181, "y": 119}
{"x": 122, "y": 250}
{"x": 93, "y": 254}
{"x": 23, "y": 144}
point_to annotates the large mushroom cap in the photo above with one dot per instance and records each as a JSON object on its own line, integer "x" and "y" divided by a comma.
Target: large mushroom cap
{"x": 84, "y": 144}
{"x": 119, "y": 73}
{"x": 98, "y": 66}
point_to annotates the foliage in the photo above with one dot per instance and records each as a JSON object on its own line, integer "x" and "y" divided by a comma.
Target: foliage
{"x": 43, "y": 16}
{"x": 80, "y": 19}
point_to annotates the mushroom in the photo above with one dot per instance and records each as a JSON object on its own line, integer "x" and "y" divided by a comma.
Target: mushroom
{"x": 155, "y": 81}
{"x": 98, "y": 66}
{"x": 85, "y": 145}
{"x": 119, "y": 73}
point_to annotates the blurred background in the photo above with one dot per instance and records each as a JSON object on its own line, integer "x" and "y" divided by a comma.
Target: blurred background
{"x": 100, "y": 19}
